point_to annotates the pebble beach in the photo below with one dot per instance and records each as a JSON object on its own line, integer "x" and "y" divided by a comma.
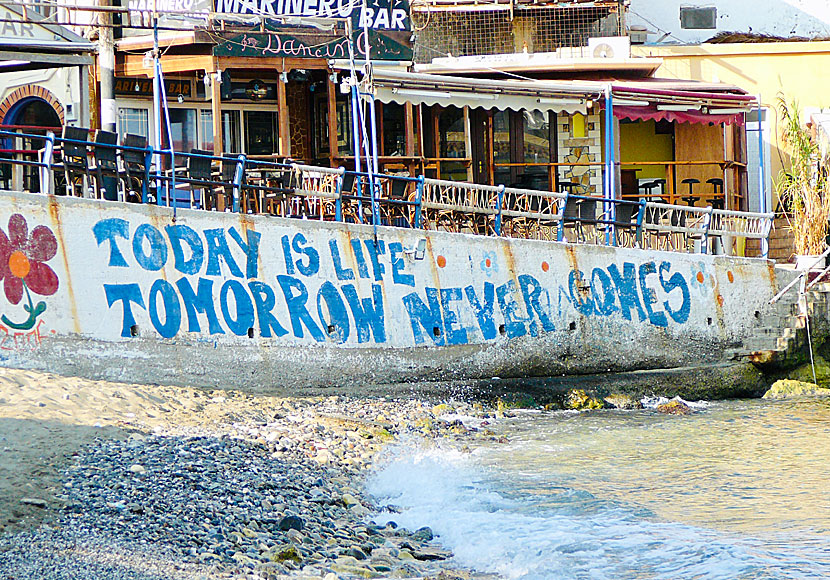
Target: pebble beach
{"x": 114, "y": 481}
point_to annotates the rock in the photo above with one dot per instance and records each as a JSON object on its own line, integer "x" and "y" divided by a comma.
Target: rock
{"x": 356, "y": 553}
{"x": 138, "y": 469}
{"x": 423, "y": 534}
{"x": 675, "y": 407}
{"x": 621, "y": 401}
{"x": 33, "y": 501}
{"x": 429, "y": 553}
{"x": 786, "y": 388}
{"x": 349, "y": 500}
{"x": 283, "y": 554}
{"x": 291, "y": 523}
{"x": 579, "y": 400}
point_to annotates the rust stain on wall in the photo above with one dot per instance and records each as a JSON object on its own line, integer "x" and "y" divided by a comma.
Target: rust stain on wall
{"x": 57, "y": 227}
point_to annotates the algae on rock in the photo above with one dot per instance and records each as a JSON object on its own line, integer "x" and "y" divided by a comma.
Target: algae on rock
{"x": 786, "y": 388}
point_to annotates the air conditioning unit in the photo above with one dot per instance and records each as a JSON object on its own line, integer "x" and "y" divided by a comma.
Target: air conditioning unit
{"x": 609, "y": 47}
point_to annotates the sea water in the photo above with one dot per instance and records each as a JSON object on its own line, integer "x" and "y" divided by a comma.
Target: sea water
{"x": 737, "y": 490}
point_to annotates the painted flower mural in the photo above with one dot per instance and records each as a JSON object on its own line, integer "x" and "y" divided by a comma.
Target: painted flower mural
{"x": 23, "y": 268}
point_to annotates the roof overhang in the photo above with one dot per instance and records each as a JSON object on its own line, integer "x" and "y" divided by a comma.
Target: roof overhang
{"x": 549, "y": 63}
{"x": 681, "y": 101}
{"x": 30, "y": 42}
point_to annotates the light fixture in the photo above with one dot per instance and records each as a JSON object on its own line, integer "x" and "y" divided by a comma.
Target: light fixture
{"x": 678, "y": 107}
{"x": 485, "y": 96}
{"x": 563, "y": 101}
{"x": 420, "y": 93}
{"x": 180, "y": 98}
{"x": 10, "y": 63}
{"x": 733, "y": 111}
{"x": 630, "y": 103}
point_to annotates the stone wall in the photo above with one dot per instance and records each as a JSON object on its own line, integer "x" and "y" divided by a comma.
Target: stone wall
{"x": 138, "y": 293}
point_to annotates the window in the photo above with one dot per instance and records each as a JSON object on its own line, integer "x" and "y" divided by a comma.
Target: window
{"x": 206, "y": 130}
{"x": 452, "y": 143}
{"x": 696, "y": 18}
{"x": 133, "y": 121}
{"x": 230, "y": 132}
{"x": 182, "y": 130}
{"x": 261, "y": 133}
{"x": 394, "y": 133}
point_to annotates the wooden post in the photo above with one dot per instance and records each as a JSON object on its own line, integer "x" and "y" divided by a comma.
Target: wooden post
{"x": 216, "y": 113}
{"x": 468, "y": 144}
{"x": 332, "y": 121}
{"x": 282, "y": 104}
{"x": 491, "y": 151}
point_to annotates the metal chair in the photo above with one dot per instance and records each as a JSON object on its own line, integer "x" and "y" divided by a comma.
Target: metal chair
{"x": 105, "y": 165}
{"x": 195, "y": 181}
{"x": 75, "y": 158}
{"x": 137, "y": 186}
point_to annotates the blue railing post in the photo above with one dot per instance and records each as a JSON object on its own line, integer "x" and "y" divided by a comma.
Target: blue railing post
{"x": 338, "y": 203}
{"x": 501, "y": 205}
{"x": 47, "y": 179}
{"x": 641, "y": 215}
{"x": 238, "y": 175}
{"x": 419, "y": 193}
{"x": 560, "y": 231}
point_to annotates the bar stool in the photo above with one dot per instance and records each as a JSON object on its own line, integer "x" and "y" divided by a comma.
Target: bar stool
{"x": 649, "y": 187}
{"x": 717, "y": 187}
{"x": 690, "y": 199}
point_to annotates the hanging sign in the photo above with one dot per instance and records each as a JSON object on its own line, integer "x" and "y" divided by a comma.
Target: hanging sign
{"x": 389, "y": 29}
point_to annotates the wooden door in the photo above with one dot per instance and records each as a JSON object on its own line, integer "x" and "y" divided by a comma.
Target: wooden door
{"x": 479, "y": 138}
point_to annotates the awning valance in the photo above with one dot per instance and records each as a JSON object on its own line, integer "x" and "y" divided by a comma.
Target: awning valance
{"x": 402, "y": 87}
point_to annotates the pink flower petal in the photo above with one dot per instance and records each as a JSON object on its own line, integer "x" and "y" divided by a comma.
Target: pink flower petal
{"x": 13, "y": 287}
{"x": 41, "y": 279}
{"x": 5, "y": 252}
{"x": 42, "y": 245}
{"x": 18, "y": 231}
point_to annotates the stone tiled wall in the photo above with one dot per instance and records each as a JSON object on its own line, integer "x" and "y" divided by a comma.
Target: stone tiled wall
{"x": 580, "y": 150}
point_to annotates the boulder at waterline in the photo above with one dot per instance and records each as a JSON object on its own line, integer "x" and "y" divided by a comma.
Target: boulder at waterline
{"x": 786, "y": 388}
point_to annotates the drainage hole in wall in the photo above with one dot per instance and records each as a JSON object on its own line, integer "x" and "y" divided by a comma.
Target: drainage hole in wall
{"x": 436, "y": 332}
{"x": 572, "y": 326}
{"x": 758, "y": 314}
{"x": 250, "y": 332}
{"x": 134, "y": 330}
{"x": 331, "y": 329}
{"x": 709, "y": 321}
{"x": 502, "y": 329}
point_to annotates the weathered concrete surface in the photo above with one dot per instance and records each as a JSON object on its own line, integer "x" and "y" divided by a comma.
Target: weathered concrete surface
{"x": 269, "y": 304}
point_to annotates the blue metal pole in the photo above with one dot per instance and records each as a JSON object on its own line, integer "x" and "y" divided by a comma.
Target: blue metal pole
{"x": 418, "y": 197}
{"x": 762, "y": 176}
{"x": 356, "y": 133}
{"x": 609, "y": 209}
{"x": 156, "y": 106}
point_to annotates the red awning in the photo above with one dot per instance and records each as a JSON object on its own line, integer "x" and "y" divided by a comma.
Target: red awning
{"x": 692, "y": 116}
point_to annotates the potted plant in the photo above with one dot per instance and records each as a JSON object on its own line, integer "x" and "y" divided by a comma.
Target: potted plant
{"x": 803, "y": 188}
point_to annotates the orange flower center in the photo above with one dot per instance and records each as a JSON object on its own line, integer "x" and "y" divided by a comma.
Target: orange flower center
{"x": 19, "y": 264}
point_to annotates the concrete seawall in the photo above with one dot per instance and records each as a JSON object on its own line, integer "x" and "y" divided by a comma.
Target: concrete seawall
{"x": 131, "y": 292}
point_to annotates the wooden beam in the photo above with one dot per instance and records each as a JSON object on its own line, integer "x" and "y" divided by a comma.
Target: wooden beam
{"x": 285, "y": 132}
{"x": 132, "y": 65}
{"x": 409, "y": 129}
{"x": 332, "y": 119}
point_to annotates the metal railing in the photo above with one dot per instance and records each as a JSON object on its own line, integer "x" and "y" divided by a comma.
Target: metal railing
{"x": 240, "y": 184}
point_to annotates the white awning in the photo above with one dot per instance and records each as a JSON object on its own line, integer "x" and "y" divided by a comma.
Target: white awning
{"x": 402, "y": 87}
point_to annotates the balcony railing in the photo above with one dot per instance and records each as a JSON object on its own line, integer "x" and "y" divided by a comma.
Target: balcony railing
{"x": 105, "y": 170}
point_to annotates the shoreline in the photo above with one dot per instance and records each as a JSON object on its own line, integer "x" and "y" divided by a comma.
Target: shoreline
{"x": 110, "y": 480}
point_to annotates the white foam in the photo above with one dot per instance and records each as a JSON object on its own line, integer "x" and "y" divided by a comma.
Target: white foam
{"x": 501, "y": 532}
